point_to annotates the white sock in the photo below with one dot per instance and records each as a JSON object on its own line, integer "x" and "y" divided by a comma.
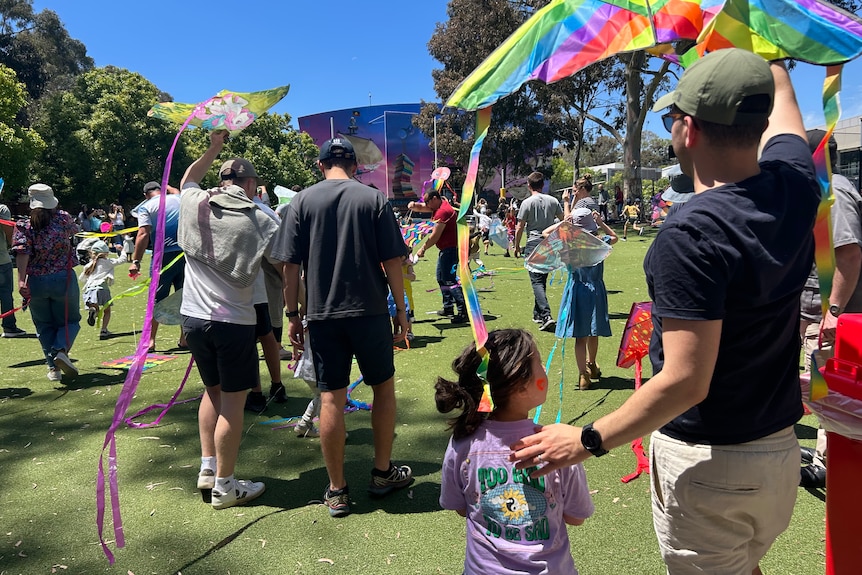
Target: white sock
{"x": 208, "y": 463}
{"x": 224, "y": 483}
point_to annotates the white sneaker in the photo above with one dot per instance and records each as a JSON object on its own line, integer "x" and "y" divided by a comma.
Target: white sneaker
{"x": 306, "y": 429}
{"x": 243, "y": 491}
{"x": 285, "y": 354}
{"x": 54, "y": 374}
{"x": 62, "y": 361}
{"x": 206, "y": 479}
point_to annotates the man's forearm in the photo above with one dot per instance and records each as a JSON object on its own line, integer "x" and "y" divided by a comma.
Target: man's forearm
{"x": 519, "y": 231}
{"x": 291, "y": 286}
{"x": 142, "y": 240}
{"x": 199, "y": 168}
{"x": 848, "y": 264}
{"x": 785, "y": 117}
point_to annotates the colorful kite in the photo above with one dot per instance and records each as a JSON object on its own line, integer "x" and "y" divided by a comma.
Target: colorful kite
{"x": 567, "y": 246}
{"x": 227, "y": 110}
{"x": 231, "y": 111}
{"x": 413, "y": 233}
{"x": 634, "y": 346}
{"x": 566, "y": 36}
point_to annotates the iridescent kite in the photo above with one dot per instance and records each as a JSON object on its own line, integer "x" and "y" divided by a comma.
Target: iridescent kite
{"x": 227, "y": 110}
{"x": 567, "y": 246}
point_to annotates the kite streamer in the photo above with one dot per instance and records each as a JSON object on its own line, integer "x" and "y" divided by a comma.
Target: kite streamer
{"x": 204, "y": 115}
{"x": 824, "y": 255}
{"x": 471, "y": 297}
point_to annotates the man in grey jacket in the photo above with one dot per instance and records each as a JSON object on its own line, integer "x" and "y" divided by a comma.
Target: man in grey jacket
{"x": 224, "y": 236}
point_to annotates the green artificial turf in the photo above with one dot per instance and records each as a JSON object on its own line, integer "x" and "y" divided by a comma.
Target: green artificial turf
{"x": 51, "y": 435}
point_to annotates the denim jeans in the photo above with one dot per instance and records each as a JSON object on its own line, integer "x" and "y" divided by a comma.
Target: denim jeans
{"x": 55, "y": 310}
{"x": 6, "y": 287}
{"x": 447, "y": 263}
{"x": 541, "y": 308}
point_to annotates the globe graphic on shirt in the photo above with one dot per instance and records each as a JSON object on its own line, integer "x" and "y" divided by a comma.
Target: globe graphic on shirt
{"x": 514, "y": 504}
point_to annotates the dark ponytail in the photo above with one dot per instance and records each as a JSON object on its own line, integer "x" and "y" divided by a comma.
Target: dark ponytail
{"x": 509, "y": 370}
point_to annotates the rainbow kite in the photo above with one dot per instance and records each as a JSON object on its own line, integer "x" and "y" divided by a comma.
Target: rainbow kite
{"x": 566, "y": 36}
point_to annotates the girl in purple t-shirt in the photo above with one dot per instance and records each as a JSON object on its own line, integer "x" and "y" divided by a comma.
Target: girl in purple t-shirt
{"x": 515, "y": 523}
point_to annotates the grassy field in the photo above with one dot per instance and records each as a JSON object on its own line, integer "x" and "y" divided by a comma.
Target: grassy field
{"x": 51, "y": 435}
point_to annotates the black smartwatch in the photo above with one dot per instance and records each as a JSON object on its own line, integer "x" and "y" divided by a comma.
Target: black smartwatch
{"x": 290, "y": 314}
{"x": 591, "y": 439}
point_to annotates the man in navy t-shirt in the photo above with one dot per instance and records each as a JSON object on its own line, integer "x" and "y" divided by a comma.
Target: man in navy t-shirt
{"x": 725, "y": 276}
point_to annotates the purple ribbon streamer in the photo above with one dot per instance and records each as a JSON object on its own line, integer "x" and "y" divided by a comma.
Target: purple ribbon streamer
{"x": 166, "y": 406}
{"x": 133, "y": 378}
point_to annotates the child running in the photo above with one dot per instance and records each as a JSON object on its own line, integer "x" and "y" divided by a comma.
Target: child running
{"x": 515, "y": 524}
{"x": 632, "y": 214}
{"x": 99, "y": 276}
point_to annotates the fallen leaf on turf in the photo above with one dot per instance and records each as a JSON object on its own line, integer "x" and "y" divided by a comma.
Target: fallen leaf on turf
{"x": 616, "y": 499}
{"x": 325, "y": 560}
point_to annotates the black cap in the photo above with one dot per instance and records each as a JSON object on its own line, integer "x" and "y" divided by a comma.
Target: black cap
{"x": 150, "y": 186}
{"x": 337, "y": 148}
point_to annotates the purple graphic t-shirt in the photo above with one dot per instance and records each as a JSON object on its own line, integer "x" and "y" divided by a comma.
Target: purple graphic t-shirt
{"x": 514, "y": 523}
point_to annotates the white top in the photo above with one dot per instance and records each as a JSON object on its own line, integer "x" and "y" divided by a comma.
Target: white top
{"x": 103, "y": 274}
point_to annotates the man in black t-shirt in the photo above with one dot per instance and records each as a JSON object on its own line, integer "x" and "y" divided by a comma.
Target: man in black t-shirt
{"x": 725, "y": 277}
{"x": 344, "y": 235}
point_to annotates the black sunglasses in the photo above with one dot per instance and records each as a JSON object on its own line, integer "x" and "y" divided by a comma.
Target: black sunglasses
{"x": 671, "y": 117}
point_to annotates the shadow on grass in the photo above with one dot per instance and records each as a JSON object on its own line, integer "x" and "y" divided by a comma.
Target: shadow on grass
{"x": 88, "y": 380}
{"x": 417, "y": 498}
{"x": 15, "y": 392}
{"x": 586, "y": 413}
{"x": 424, "y": 341}
{"x": 30, "y": 363}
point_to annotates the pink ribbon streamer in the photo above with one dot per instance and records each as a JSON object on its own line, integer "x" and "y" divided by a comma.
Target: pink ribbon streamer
{"x": 133, "y": 377}
{"x": 166, "y": 406}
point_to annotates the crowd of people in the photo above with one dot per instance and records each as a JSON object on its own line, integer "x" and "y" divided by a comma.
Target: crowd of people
{"x": 335, "y": 262}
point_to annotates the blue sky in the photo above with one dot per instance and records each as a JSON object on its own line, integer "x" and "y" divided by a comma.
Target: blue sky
{"x": 335, "y": 54}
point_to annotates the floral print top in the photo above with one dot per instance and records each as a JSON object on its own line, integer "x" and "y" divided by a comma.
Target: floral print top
{"x": 50, "y": 249}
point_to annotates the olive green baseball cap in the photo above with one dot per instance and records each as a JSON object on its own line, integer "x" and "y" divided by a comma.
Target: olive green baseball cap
{"x": 731, "y": 87}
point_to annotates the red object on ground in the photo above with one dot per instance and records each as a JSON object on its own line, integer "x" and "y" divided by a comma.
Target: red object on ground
{"x": 843, "y": 374}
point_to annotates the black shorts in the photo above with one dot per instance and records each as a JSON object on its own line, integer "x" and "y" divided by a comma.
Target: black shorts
{"x": 264, "y": 324}
{"x": 225, "y": 353}
{"x": 334, "y": 343}
{"x": 172, "y": 277}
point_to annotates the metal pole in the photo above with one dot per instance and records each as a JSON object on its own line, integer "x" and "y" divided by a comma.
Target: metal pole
{"x": 331, "y": 127}
{"x": 435, "y": 142}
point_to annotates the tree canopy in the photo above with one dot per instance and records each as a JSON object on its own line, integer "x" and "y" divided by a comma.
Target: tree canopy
{"x": 18, "y": 145}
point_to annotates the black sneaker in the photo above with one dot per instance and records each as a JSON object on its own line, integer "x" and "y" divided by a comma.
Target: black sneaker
{"x": 460, "y": 318}
{"x": 446, "y": 312}
{"x": 13, "y": 332}
{"x": 808, "y": 454}
{"x": 277, "y": 393}
{"x": 812, "y": 476}
{"x": 337, "y": 501}
{"x": 255, "y": 401}
{"x": 385, "y": 482}
{"x": 91, "y": 317}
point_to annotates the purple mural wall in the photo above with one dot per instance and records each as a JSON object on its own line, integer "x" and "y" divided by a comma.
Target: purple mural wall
{"x": 393, "y": 155}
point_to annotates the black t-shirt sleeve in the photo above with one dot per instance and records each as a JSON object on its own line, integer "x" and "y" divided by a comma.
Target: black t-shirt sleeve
{"x": 286, "y": 243}
{"x": 689, "y": 276}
